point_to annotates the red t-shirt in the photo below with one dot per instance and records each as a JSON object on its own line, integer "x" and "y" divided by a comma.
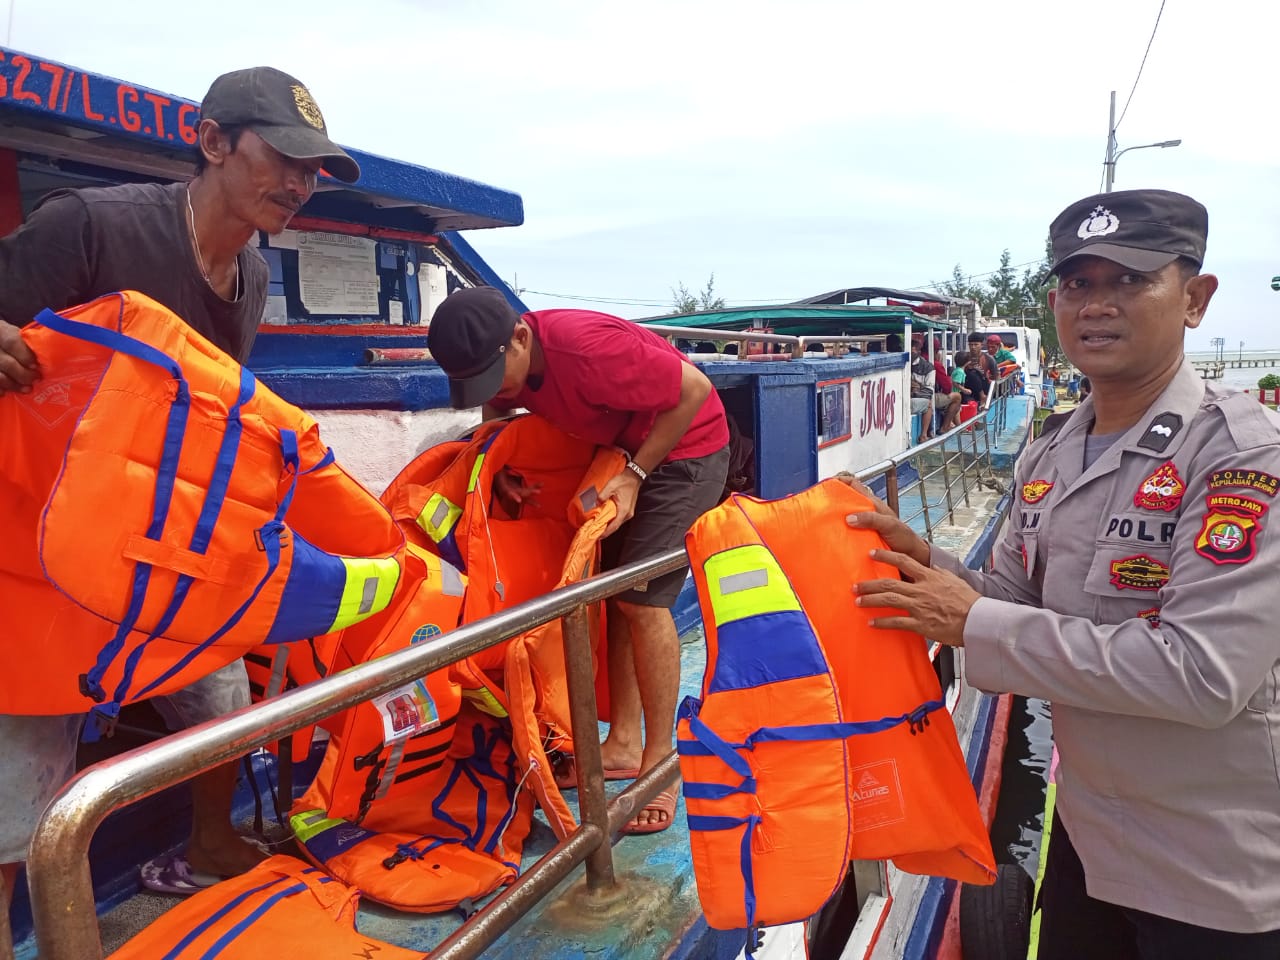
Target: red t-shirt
{"x": 941, "y": 381}
{"x": 606, "y": 380}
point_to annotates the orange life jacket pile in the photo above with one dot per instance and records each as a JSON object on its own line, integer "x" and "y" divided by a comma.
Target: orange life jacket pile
{"x": 425, "y": 797}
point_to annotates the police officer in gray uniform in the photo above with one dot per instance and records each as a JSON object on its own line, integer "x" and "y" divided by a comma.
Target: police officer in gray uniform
{"x": 1132, "y": 590}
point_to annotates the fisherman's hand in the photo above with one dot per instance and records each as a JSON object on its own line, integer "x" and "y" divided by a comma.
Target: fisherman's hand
{"x": 512, "y": 493}
{"x": 623, "y": 490}
{"x": 898, "y": 535}
{"x": 933, "y": 603}
{"x": 18, "y": 366}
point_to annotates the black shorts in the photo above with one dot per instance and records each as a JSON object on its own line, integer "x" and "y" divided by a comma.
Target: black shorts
{"x": 675, "y": 495}
{"x": 1074, "y": 925}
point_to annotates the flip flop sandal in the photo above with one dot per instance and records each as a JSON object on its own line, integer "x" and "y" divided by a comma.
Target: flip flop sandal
{"x": 665, "y": 802}
{"x": 172, "y": 873}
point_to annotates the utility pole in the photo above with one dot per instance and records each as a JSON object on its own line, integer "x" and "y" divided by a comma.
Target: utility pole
{"x": 1109, "y": 165}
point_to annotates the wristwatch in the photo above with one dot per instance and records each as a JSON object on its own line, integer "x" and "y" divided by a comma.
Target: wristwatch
{"x": 638, "y": 470}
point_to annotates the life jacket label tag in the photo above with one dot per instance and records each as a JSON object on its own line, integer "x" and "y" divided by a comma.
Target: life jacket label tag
{"x": 407, "y": 712}
{"x": 876, "y": 793}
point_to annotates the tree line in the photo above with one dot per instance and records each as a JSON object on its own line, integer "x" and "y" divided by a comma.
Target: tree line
{"x": 1024, "y": 300}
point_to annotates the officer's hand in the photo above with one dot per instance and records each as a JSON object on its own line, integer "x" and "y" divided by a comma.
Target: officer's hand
{"x": 936, "y": 603}
{"x": 623, "y": 490}
{"x": 897, "y": 535}
{"x": 18, "y": 366}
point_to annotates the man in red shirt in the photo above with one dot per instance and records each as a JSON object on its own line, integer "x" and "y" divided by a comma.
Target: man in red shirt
{"x": 614, "y": 383}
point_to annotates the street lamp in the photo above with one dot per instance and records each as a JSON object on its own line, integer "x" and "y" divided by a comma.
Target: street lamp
{"x": 1109, "y": 165}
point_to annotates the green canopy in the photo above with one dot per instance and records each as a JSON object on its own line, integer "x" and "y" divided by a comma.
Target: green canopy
{"x": 806, "y": 320}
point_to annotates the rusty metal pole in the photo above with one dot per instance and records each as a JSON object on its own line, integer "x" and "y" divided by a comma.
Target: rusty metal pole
{"x": 585, "y": 722}
{"x": 891, "y": 488}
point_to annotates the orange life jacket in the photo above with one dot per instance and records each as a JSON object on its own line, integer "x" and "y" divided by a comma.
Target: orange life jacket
{"x": 817, "y": 739}
{"x": 164, "y": 513}
{"x": 440, "y": 818}
{"x": 444, "y": 840}
{"x": 378, "y": 747}
{"x": 280, "y": 908}
{"x": 445, "y": 501}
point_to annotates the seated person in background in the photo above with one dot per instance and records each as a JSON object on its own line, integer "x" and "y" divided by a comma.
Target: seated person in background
{"x": 986, "y": 362}
{"x": 1004, "y": 359}
{"x": 975, "y": 380}
{"x": 922, "y": 386}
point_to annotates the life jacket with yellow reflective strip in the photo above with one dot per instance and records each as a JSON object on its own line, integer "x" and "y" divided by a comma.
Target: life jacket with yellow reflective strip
{"x": 817, "y": 739}
{"x": 280, "y": 908}
{"x": 439, "y": 818}
{"x": 415, "y": 794}
{"x": 377, "y": 748}
{"x": 444, "y": 501}
{"x": 164, "y": 513}
{"x": 442, "y": 840}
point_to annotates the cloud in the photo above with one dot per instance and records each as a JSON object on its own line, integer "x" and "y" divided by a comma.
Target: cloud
{"x": 790, "y": 148}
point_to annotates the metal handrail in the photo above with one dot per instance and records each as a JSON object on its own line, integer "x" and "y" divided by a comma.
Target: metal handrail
{"x": 58, "y": 866}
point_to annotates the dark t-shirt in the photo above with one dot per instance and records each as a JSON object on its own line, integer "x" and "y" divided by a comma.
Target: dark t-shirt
{"x": 78, "y": 245}
{"x": 976, "y": 382}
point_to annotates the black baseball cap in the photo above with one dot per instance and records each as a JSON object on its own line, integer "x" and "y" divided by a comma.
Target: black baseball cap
{"x": 1141, "y": 229}
{"x": 279, "y": 109}
{"x": 468, "y": 337}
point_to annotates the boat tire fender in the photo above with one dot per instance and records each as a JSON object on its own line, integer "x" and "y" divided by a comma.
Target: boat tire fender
{"x": 995, "y": 921}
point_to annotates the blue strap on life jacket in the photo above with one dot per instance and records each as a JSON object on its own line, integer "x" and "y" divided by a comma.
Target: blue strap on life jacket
{"x": 269, "y": 535}
{"x": 211, "y": 510}
{"x": 707, "y": 743}
{"x": 166, "y": 473}
{"x": 217, "y": 915}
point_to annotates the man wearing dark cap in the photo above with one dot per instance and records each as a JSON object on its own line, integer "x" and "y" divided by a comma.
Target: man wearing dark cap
{"x": 616, "y": 383}
{"x": 1133, "y": 591}
{"x": 192, "y": 247}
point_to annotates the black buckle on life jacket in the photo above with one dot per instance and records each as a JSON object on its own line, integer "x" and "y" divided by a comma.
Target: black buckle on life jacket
{"x": 917, "y": 720}
{"x": 93, "y": 691}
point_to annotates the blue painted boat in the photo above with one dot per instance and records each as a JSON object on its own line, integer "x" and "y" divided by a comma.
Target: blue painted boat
{"x": 808, "y": 417}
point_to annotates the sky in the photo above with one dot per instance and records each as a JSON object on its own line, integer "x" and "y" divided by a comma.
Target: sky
{"x": 787, "y": 148}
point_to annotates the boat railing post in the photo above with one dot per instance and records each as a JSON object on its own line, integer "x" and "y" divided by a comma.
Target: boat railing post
{"x": 891, "y": 488}
{"x": 946, "y": 482}
{"x": 964, "y": 467}
{"x": 584, "y": 724}
{"x": 924, "y": 498}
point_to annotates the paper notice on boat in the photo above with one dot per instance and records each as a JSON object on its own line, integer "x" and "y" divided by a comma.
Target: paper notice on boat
{"x": 338, "y": 274}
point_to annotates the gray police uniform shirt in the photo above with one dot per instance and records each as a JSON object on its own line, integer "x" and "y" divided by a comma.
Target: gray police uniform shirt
{"x": 80, "y": 244}
{"x": 1136, "y": 596}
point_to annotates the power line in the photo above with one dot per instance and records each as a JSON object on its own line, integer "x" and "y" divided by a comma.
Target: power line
{"x": 1140, "y": 66}
{"x": 620, "y": 301}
